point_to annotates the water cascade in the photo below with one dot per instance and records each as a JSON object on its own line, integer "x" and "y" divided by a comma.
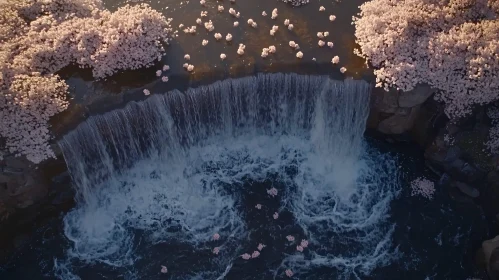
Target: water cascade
{"x": 170, "y": 171}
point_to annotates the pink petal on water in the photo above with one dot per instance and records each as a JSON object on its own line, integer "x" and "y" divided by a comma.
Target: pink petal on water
{"x": 246, "y": 256}
{"x": 304, "y": 243}
{"x": 299, "y": 248}
{"x": 261, "y": 246}
{"x": 255, "y": 254}
{"x": 272, "y": 192}
{"x": 164, "y": 269}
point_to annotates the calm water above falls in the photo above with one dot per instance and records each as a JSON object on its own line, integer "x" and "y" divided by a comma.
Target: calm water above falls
{"x": 158, "y": 178}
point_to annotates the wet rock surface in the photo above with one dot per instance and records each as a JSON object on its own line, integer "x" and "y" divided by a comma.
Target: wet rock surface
{"x": 490, "y": 249}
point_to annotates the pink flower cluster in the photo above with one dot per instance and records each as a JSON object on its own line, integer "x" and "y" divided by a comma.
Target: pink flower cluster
{"x": 272, "y": 192}
{"x": 216, "y": 236}
{"x": 41, "y": 37}
{"x": 452, "y": 45}
{"x": 25, "y": 108}
{"x": 423, "y": 187}
{"x": 216, "y": 250}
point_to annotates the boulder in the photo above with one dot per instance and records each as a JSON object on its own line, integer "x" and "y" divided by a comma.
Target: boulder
{"x": 21, "y": 185}
{"x": 462, "y": 170}
{"x": 493, "y": 179}
{"x": 415, "y": 97}
{"x": 454, "y": 153}
{"x": 384, "y": 101}
{"x": 400, "y": 122}
{"x": 466, "y": 189}
{"x": 437, "y": 152}
{"x": 426, "y": 126}
{"x": 493, "y": 190}
{"x": 490, "y": 250}
{"x": 18, "y": 163}
{"x": 444, "y": 180}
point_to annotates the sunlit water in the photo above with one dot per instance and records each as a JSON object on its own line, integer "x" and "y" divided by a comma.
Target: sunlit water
{"x": 158, "y": 178}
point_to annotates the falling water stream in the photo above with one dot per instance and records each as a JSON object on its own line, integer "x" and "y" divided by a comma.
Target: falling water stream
{"x": 155, "y": 180}
{"x": 180, "y": 167}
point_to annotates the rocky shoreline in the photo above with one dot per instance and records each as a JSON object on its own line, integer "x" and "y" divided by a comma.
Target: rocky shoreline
{"x": 455, "y": 152}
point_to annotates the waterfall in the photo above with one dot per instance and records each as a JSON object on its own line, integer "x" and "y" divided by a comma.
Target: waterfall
{"x": 179, "y": 166}
{"x": 332, "y": 114}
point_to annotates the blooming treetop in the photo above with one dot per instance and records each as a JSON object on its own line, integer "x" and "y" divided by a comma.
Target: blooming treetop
{"x": 452, "y": 45}
{"x": 39, "y": 38}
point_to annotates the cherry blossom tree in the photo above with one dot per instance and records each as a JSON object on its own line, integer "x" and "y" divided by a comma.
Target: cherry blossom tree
{"x": 40, "y": 37}
{"x": 452, "y": 45}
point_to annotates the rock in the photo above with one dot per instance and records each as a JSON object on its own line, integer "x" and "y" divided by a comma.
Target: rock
{"x": 4, "y": 178}
{"x": 25, "y": 203}
{"x": 19, "y": 163}
{"x": 453, "y": 154}
{"x": 385, "y": 101}
{"x": 21, "y": 190}
{"x": 425, "y": 127}
{"x": 494, "y": 264}
{"x": 415, "y": 97}
{"x": 4, "y": 210}
{"x": 454, "y": 167}
{"x": 452, "y": 129}
{"x": 466, "y": 189}
{"x": 399, "y": 123}
{"x": 373, "y": 119}
{"x": 12, "y": 170}
{"x": 61, "y": 191}
{"x": 493, "y": 179}
{"x": 472, "y": 144}
{"x": 473, "y": 173}
{"x": 444, "y": 180}
{"x": 437, "y": 151}
{"x": 491, "y": 254}
{"x": 462, "y": 170}
{"x": 435, "y": 168}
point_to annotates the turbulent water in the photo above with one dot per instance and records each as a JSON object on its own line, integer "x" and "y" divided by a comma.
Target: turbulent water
{"x": 158, "y": 178}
